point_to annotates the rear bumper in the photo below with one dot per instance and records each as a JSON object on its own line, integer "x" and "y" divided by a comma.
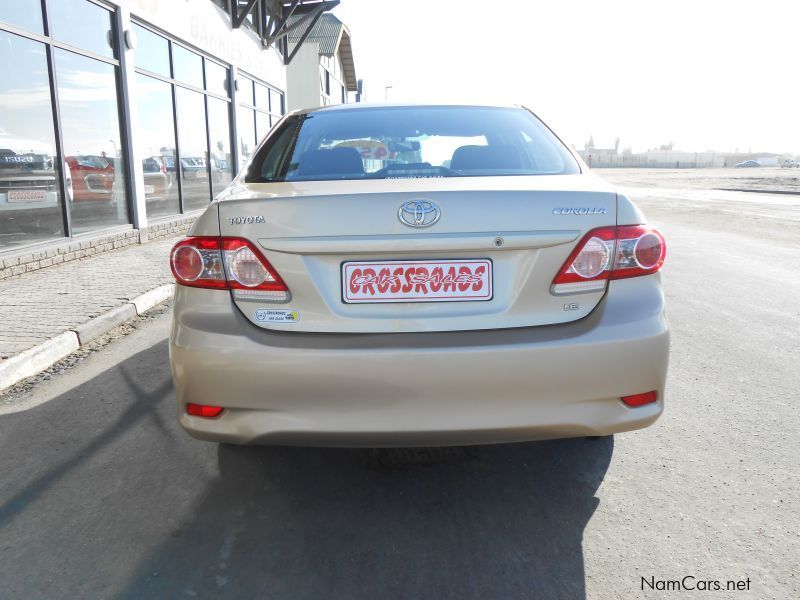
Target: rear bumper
{"x": 420, "y": 389}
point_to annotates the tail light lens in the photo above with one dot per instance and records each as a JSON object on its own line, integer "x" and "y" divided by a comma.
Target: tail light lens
{"x": 640, "y": 399}
{"x": 197, "y": 262}
{"x": 203, "y": 410}
{"x": 227, "y": 263}
{"x": 641, "y": 250}
{"x": 610, "y": 253}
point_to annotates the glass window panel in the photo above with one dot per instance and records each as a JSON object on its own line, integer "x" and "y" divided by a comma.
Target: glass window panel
{"x": 192, "y": 148}
{"x": 26, "y": 14}
{"x": 262, "y": 125}
{"x": 246, "y": 90}
{"x": 156, "y": 145}
{"x": 152, "y": 51}
{"x": 216, "y": 78}
{"x": 246, "y": 127}
{"x": 81, "y": 24}
{"x": 30, "y": 205}
{"x": 220, "y": 135}
{"x": 262, "y": 96}
{"x": 187, "y": 66}
{"x": 87, "y": 95}
{"x": 275, "y": 102}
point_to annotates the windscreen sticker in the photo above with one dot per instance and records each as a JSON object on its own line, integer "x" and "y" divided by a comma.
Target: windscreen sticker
{"x": 272, "y": 315}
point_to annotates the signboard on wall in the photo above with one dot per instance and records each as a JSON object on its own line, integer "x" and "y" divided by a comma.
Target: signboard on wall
{"x": 205, "y": 25}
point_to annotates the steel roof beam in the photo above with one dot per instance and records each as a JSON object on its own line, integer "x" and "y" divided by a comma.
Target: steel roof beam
{"x": 275, "y": 15}
{"x": 315, "y": 16}
{"x": 238, "y": 16}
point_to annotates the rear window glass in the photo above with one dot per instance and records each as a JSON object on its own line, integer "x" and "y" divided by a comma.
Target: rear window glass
{"x": 410, "y": 142}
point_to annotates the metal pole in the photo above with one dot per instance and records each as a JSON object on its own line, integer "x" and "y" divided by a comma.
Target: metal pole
{"x": 233, "y": 120}
{"x": 176, "y": 155}
{"x": 126, "y": 157}
{"x": 59, "y": 161}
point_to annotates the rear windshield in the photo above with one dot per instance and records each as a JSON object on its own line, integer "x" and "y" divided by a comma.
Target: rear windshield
{"x": 410, "y": 142}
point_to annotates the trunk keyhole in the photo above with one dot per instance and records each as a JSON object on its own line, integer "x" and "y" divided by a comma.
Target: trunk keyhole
{"x": 498, "y": 241}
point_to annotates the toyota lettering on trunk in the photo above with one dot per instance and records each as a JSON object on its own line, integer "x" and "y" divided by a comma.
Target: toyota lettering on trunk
{"x": 417, "y": 281}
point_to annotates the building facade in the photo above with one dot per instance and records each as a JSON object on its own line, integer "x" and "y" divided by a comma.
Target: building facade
{"x": 119, "y": 118}
{"x": 322, "y": 72}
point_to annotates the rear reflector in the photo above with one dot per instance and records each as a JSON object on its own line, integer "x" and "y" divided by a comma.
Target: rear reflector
{"x": 227, "y": 263}
{"x": 610, "y": 253}
{"x": 203, "y": 410}
{"x": 640, "y": 399}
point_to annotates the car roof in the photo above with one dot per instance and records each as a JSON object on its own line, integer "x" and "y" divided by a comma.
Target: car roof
{"x": 378, "y": 105}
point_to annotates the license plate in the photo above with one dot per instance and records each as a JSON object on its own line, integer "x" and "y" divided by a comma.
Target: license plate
{"x": 26, "y": 195}
{"x": 417, "y": 281}
{"x": 149, "y": 189}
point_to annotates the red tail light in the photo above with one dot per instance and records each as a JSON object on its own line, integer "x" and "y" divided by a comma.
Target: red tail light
{"x": 227, "y": 263}
{"x": 640, "y": 399}
{"x": 203, "y": 410}
{"x": 610, "y": 253}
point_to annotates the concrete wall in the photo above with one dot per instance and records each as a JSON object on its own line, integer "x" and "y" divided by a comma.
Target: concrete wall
{"x": 302, "y": 78}
{"x": 26, "y": 260}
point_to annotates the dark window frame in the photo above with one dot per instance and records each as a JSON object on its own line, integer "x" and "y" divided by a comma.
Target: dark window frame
{"x": 273, "y": 114}
{"x": 50, "y": 45}
{"x": 175, "y": 83}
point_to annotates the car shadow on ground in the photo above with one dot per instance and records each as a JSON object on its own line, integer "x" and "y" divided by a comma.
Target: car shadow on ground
{"x": 477, "y": 522}
{"x": 104, "y": 495}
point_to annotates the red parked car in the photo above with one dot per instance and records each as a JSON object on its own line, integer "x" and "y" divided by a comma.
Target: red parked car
{"x": 92, "y": 177}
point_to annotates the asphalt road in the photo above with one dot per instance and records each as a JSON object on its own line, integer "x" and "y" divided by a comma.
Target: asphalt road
{"x": 102, "y": 495}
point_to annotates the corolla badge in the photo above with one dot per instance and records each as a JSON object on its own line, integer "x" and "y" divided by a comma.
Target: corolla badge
{"x": 583, "y": 210}
{"x": 419, "y": 213}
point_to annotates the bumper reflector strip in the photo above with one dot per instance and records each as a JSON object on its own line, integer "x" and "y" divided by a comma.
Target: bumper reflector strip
{"x": 640, "y": 399}
{"x": 202, "y": 410}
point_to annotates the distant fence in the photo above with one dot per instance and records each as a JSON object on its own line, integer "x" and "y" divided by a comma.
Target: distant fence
{"x": 700, "y": 161}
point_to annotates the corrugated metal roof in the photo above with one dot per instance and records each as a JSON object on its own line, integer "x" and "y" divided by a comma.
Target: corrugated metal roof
{"x": 326, "y": 33}
{"x": 332, "y": 36}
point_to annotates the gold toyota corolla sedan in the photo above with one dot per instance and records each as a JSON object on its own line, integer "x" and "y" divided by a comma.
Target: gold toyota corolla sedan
{"x": 383, "y": 275}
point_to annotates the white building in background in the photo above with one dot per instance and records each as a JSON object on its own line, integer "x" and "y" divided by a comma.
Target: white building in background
{"x": 322, "y": 71}
{"x": 663, "y": 157}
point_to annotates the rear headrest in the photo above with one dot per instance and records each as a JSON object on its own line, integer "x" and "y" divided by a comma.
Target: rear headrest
{"x": 468, "y": 158}
{"x": 336, "y": 161}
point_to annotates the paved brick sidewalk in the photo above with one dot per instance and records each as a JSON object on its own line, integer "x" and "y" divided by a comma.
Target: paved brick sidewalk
{"x": 42, "y": 304}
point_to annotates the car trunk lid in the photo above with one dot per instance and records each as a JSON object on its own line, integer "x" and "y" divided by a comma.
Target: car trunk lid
{"x": 506, "y": 237}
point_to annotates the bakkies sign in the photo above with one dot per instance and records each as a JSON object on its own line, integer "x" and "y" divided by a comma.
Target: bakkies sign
{"x": 206, "y": 26}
